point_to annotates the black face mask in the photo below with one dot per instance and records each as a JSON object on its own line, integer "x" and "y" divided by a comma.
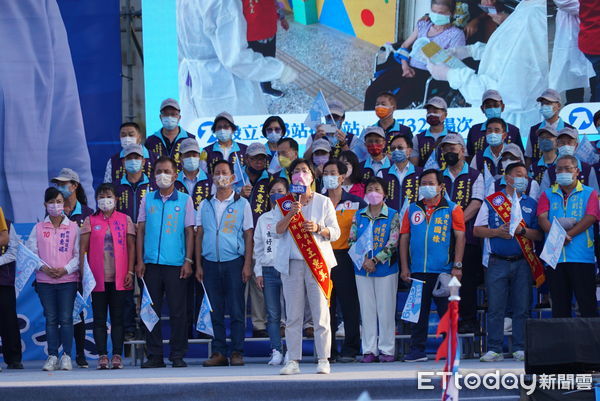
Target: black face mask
{"x": 451, "y": 158}
{"x": 255, "y": 171}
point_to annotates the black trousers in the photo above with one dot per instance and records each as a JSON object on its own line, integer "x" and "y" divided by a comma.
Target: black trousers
{"x": 266, "y": 48}
{"x": 407, "y": 90}
{"x": 9, "y": 325}
{"x": 569, "y": 279}
{"x": 472, "y": 278}
{"x": 128, "y": 312}
{"x": 113, "y": 301}
{"x": 162, "y": 280}
{"x": 419, "y": 330}
{"x": 79, "y": 330}
{"x": 344, "y": 292}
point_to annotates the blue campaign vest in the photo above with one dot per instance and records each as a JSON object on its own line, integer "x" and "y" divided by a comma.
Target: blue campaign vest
{"x": 431, "y": 242}
{"x": 223, "y": 241}
{"x": 581, "y": 248}
{"x": 367, "y": 169}
{"x": 510, "y": 247}
{"x": 164, "y": 241}
{"x": 382, "y": 226}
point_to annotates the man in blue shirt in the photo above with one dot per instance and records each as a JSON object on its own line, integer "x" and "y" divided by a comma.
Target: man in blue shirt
{"x": 508, "y": 270}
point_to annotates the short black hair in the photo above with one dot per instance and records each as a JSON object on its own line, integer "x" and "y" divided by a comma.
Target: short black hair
{"x": 351, "y": 158}
{"x": 271, "y": 119}
{"x": 131, "y": 124}
{"x": 513, "y": 166}
{"x": 342, "y": 169}
{"x": 223, "y": 161}
{"x": 166, "y": 159}
{"x": 105, "y": 187}
{"x": 500, "y": 121}
{"x": 438, "y": 175}
{"x": 292, "y": 142}
{"x": 596, "y": 117}
{"x": 390, "y": 96}
{"x": 303, "y": 161}
{"x": 52, "y": 193}
{"x": 451, "y": 4}
{"x": 402, "y": 136}
{"x": 377, "y": 180}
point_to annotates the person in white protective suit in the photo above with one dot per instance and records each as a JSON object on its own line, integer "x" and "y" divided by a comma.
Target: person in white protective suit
{"x": 569, "y": 68}
{"x": 514, "y": 62}
{"x": 41, "y": 125}
{"x": 217, "y": 70}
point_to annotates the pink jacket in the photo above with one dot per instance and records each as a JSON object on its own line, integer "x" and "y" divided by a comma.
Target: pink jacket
{"x": 58, "y": 247}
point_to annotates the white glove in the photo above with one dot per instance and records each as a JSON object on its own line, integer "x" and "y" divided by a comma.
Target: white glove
{"x": 288, "y": 75}
{"x": 438, "y": 71}
{"x": 460, "y": 52}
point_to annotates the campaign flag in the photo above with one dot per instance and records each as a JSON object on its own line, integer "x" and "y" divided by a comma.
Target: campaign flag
{"x": 27, "y": 262}
{"x": 361, "y": 247}
{"x": 204, "y": 323}
{"x": 78, "y": 307}
{"x": 554, "y": 244}
{"x": 516, "y": 215}
{"x": 432, "y": 162}
{"x": 88, "y": 281}
{"x": 412, "y": 307}
{"x": 318, "y": 110}
{"x": 274, "y": 166}
{"x": 238, "y": 170}
{"x": 586, "y": 152}
{"x": 488, "y": 180}
{"x": 147, "y": 313}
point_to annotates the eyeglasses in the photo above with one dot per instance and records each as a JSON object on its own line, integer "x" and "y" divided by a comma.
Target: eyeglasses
{"x": 273, "y": 130}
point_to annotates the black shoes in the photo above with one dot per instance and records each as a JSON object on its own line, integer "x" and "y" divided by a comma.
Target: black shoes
{"x": 154, "y": 363}
{"x": 179, "y": 363}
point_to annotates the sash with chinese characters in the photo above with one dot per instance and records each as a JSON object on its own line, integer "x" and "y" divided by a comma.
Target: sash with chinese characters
{"x": 308, "y": 247}
{"x": 502, "y": 205}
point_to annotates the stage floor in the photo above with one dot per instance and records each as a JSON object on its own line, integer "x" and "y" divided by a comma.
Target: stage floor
{"x": 256, "y": 380}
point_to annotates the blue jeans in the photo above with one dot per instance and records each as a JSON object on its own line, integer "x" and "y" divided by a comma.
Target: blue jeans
{"x": 507, "y": 282}
{"x": 223, "y": 282}
{"x": 595, "y": 60}
{"x": 57, "y": 301}
{"x": 272, "y": 293}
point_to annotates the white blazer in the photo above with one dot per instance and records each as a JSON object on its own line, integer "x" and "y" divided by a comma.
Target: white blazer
{"x": 323, "y": 213}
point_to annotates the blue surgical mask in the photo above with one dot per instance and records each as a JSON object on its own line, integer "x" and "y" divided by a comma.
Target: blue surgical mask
{"x": 564, "y": 179}
{"x": 224, "y": 135}
{"x": 492, "y": 112}
{"x": 428, "y": 191}
{"x": 64, "y": 190}
{"x": 547, "y": 111}
{"x": 546, "y": 145}
{"x": 133, "y": 165}
{"x": 398, "y": 156}
{"x": 566, "y": 150}
{"x": 330, "y": 181}
{"x": 520, "y": 184}
{"x": 493, "y": 139}
{"x": 191, "y": 163}
{"x": 273, "y": 137}
{"x": 169, "y": 123}
{"x": 439, "y": 19}
{"x": 275, "y": 197}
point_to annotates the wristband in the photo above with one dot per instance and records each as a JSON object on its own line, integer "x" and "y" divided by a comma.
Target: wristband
{"x": 189, "y": 260}
{"x": 131, "y": 273}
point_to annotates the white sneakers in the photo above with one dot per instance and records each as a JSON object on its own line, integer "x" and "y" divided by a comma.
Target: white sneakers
{"x": 51, "y": 364}
{"x": 276, "y": 358}
{"x": 492, "y": 356}
{"x": 290, "y": 368}
{"x": 519, "y": 356}
{"x": 323, "y": 367}
{"x": 65, "y": 362}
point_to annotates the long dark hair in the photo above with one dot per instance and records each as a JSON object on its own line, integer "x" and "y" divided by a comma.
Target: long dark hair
{"x": 80, "y": 193}
{"x": 278, "y": 180}
{"x": 351, "y": 158}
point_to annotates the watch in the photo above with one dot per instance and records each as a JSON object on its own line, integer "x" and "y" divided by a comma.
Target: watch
{"x": 457, "y": 265}
{"x": 523, "y": 231}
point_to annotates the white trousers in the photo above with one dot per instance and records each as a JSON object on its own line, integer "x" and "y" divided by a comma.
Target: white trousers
{"x": 297, "y": 286}
{"x": 377, "y": 297}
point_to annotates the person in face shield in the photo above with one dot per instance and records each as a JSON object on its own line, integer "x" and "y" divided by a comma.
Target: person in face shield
{"x": 217, "y": 69}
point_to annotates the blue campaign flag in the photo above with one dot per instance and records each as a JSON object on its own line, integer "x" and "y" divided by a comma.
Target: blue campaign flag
{"x": 432, "y": 162}
{"x": 27, "y": 262}
{"x": 88, "y": 280}
{"x": 318, "y": 110}
{"x": 361, "y": 247}
{"x": 147, "y": 313}
{"x": 412, "y": 307}
{"x": 204, "y": 323}
{"x": 78, "y": 307}
{"x": 238, "y": 170}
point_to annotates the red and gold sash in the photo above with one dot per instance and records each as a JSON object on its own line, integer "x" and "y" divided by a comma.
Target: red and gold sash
{"x": 502, "y": 205}
{"x": 307, "y": 246}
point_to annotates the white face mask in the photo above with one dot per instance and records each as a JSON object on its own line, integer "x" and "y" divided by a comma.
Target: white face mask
{"x": 128, "y": 140}
{"x": 106, "y": 204}
{"x": 163, "y": 181}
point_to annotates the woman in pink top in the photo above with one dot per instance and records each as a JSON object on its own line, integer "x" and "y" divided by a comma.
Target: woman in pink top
{"x": 56, "y": 241}
{"x": 108, "y": 240}
{"x": 352, "y": 182}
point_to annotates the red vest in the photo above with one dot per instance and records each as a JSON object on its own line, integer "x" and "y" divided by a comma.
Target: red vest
{"x": 118, "y": 229}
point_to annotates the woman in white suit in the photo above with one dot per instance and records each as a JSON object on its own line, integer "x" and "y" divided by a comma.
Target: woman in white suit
{"x": 296, "y": 276}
